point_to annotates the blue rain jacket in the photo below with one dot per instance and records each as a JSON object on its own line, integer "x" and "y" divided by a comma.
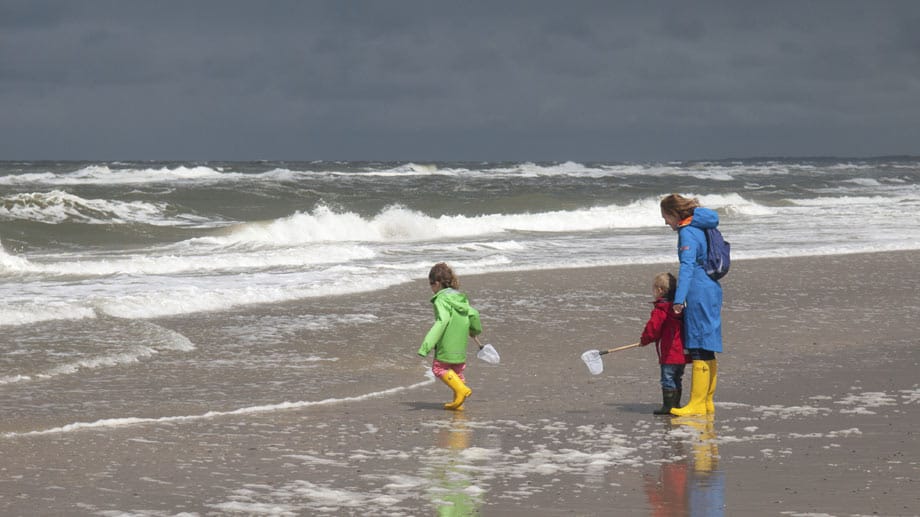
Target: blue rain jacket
{"x": 701, "y": 294}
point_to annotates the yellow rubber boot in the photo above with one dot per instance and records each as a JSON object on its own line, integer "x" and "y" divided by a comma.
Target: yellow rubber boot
{"x": 461, "y": 391}
{"x": 699, "y": 391}
{"x": 713, "y": 373}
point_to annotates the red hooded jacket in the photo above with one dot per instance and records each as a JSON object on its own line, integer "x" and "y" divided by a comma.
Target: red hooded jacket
{"x": 664, "y": 328}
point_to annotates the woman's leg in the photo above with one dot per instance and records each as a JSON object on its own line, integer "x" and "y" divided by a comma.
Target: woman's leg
{"x": 699, "y": 384}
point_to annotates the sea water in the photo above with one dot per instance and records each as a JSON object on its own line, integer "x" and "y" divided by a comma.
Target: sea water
{"x": 126, "y": 288}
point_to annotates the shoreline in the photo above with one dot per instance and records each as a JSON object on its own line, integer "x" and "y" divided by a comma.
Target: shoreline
{"x": 816, "y": 411}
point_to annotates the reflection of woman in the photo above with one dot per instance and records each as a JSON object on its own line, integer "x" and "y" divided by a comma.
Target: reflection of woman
{"x": 705, "y": 482}
{"x": 688, "y": 484}
{"x": 698, "y": 298}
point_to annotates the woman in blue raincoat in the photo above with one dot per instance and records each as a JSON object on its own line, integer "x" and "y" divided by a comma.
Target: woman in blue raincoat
{"x": 698, "y": 298}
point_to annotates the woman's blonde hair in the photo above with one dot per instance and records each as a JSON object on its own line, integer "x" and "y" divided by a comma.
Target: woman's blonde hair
{"x": 443, "y": 274}
{"x": 678, "y": 205}
{"x": 667, "y": 283}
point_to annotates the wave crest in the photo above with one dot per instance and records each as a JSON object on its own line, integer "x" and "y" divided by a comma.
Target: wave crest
{"x": 57, "y": 207}
{"x": 105, "y": 175}
{"x": 400, "y": 224}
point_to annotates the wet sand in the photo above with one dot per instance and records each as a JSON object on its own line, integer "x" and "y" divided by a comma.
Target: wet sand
{"x": 816, "y": 413}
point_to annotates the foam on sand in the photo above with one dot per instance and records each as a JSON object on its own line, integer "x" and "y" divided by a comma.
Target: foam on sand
{"x": 283, "y": 406}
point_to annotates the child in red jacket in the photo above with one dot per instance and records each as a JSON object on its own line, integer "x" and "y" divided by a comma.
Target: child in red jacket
{"x": 664, "y": 328}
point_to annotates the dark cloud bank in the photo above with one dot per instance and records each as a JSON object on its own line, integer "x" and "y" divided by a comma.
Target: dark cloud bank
{"x": 523, "y": 80}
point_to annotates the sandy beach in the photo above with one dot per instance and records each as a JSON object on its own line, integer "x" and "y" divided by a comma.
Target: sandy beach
{"x": 817, "y": 412}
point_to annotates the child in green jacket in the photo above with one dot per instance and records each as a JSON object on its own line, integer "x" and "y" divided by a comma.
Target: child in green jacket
{"x": 454, "y": 321}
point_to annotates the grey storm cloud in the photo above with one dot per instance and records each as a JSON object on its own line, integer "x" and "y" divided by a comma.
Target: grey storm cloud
{"x": 522, "y": 80}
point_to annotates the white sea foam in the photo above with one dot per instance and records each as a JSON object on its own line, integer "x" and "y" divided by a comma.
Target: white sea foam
{"x": 56, "y": 206}
{"x": 10, "y": 262}
{"x": 712, "y": 171}
{"x": 132, "y": 355}
{"x": 849, "y": 201}
{"x": 212, "y": 294}
{"x": 329, "y": 252}
{"x": 860, "y": 403}
{"x": 309, "y": 459}
{"x": 104, "y": 175}
{"x": 150, "y": 296}
{"x": 251, "y": 410}
{"x": 160, "y": 339}
{"x": 35, "y": 312}
{"x": 865, "y": 182}
{"x": 400, "y": 224}
{"x": 408, "y": 169}
{"x": 172, "y": 261}
{"x": 733, "y": 205}
{"x": 786, "y": 412}
{"x": 911, "y": 396}
{"x": 445, "y": 477}
{"x": 705, "y": 171}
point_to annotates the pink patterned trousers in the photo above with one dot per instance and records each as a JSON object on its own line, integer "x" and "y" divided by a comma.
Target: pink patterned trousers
{"x": 440, "y": 368}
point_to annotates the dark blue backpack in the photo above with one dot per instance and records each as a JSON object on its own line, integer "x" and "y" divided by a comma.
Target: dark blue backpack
{"x": 718, "y": 254}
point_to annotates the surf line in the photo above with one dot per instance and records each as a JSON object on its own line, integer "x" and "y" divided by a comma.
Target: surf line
{"x": 130, "y": 421}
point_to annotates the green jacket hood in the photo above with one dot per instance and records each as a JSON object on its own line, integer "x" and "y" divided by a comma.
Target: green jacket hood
{"x": 455, "y": 299}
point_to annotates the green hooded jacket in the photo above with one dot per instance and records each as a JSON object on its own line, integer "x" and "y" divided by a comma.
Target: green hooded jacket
{"x": 454, "y": 321}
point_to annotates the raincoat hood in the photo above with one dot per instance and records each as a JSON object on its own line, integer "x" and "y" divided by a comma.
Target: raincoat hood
{"x": 704, "y": 218}
{"x": 454, "y": 299}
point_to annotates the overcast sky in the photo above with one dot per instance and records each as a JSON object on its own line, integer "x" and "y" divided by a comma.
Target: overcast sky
{"x": 430, "y": 80}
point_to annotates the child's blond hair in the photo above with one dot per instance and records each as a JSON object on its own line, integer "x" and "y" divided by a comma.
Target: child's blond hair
{"x": 667, "y": 284}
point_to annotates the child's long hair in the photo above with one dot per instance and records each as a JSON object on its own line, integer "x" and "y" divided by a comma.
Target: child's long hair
{"x": 679, "y": 205}
{"x": 443, "y": 274}
{"x": 667, "y": 283}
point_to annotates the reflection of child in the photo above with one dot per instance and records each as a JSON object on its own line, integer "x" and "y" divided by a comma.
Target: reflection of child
{"x": 664, "y": 328}
{"x": 454, "y": 321}
{"x": 667, "y": 495}
{"x": 450, "y": 489}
